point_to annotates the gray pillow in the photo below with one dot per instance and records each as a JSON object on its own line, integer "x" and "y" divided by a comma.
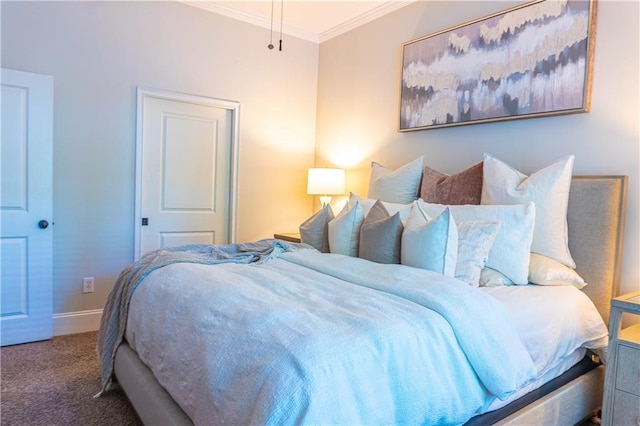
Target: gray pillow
{"x": 313, "y": 231}
{"x": 396, "y": 186}
{"x": 380, "y": 235}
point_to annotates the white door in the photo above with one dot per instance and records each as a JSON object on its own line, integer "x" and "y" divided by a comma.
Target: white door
{"x": 26, "y": 207}
{"x": 186, "y": 152}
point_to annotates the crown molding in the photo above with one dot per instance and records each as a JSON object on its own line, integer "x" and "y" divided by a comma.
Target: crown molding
{"x": 216, "y": 7}
{"x": 365, "y": 18}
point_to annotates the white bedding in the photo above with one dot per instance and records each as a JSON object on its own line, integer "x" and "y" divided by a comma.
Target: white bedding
{"x": 325, "y": 338}
{"x": 557, "y": 324}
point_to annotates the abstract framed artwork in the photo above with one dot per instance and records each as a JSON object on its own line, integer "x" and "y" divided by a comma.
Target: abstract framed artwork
{"x": 532, "y": 60}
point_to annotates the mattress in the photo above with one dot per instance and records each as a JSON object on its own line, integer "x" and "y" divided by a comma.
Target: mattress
{"x": 549, "y": 321}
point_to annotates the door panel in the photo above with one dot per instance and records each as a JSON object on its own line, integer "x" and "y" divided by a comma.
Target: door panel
{"x": 14, "y": 277}
{"x": 186, "y": 171}
{"x": 189, "y": 154}
{"x": 25, "y": 199}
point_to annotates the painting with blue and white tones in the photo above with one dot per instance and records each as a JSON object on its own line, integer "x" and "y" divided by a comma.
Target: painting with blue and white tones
{"x": 528, "y": 61}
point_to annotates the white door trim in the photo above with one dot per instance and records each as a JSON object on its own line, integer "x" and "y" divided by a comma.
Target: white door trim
{"x": 232, "y": 106}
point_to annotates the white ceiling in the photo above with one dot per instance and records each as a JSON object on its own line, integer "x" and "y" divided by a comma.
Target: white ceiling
{"x": 316, "y": 21}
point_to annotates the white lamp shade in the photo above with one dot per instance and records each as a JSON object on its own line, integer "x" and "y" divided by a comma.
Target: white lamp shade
{"x": 325, "y": 181}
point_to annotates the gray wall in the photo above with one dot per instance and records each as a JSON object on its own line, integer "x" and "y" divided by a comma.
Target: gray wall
{"x": 98, "y": 53}
{"x": 358, "y": 97}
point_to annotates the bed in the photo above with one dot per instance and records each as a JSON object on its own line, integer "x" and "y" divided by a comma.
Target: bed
{"x": 320, "y": 379}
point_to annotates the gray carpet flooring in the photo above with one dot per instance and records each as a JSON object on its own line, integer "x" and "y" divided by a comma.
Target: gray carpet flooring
{"x": 53, "y": 382}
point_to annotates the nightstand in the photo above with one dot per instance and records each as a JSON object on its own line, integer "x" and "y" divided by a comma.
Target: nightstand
{"x": 293, "y": 237}
{"x": 621, "y": 405}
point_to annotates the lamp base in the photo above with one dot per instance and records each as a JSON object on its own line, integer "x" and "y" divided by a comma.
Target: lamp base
{"x": 324, "y": 200}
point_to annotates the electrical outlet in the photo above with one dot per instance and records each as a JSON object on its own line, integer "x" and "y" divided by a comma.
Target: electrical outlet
{"x": 87, "y": 285}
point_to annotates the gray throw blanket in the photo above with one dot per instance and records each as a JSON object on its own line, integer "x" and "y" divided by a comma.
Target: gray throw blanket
{"x": 114, "y": 316}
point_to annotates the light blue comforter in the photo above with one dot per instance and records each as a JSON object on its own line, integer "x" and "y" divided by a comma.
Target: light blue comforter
{"x": 324, "y": 339}
{"x": 116, "y": 310}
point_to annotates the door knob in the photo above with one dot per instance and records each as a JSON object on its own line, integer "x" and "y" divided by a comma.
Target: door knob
{"x": 43, "y": 224}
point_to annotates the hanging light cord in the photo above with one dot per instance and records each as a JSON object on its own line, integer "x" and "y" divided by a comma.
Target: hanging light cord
{"x": 281, "y": 15}
{"x": 270, "y": 45}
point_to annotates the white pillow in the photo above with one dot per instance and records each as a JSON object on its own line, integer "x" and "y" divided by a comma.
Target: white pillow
{"x": 474, "y": 243}
{"x": 430, "y": 243}
{"x": 546, "y": 271}
{"x": 548, "y": 188}
{"x": 491, "y": 278}
{"x": 344, "y": 230}
{"x": 392, "y": 208}
{"x": 395, "y": 186}
{"x": 510, "y": 251}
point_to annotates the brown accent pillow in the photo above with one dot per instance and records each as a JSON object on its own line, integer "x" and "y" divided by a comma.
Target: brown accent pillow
{"x": 462, "y": 188}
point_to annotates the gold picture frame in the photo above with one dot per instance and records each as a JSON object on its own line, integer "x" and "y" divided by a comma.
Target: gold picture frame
{"x": 533, "y": 60}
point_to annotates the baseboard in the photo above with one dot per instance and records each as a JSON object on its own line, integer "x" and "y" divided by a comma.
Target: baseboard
{"x": 76, "y": 322}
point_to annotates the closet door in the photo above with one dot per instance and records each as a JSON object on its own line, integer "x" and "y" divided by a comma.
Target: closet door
{"x": 187, "y": 169}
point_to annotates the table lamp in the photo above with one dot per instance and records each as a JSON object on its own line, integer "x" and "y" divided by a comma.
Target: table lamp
{"x": 325, "y": 182}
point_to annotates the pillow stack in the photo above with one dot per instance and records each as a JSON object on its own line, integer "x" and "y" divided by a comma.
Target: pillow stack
{"x": 368, "y": 227}
{"x": 487, "y": 225}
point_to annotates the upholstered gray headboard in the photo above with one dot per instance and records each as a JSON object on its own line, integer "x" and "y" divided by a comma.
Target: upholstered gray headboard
{"x": 596, "y": 218}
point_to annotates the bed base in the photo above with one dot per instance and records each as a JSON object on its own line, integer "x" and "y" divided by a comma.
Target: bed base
{"x": 567, "y": 405}
{"x": 563, "y": 400}
{"x": 152, "y": 403}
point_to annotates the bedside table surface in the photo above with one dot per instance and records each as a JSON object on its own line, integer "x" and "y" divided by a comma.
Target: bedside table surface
{"x": 630, "y": 301}
{"x": 292, "y": 237}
